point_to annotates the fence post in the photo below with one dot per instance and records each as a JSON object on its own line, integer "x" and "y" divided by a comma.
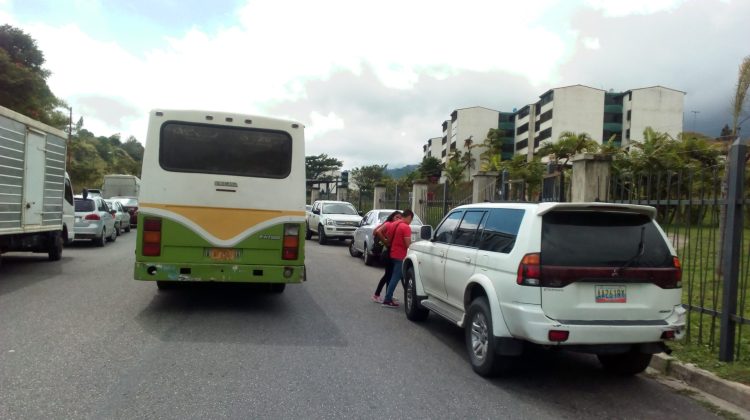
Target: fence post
{"x": 483, "y": 187}
{"x": 314, "y": 194}
{"x": 587, "y": 170}
{"x": 732, "y": 248}
{"x": 504, "y": 185}
{"x": 445, "y": 198}
{"x": 378, "y": 197}
{"x": 419, "y": 199}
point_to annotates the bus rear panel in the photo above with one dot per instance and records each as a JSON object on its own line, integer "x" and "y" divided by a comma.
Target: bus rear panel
{"x": 222, "y": 199}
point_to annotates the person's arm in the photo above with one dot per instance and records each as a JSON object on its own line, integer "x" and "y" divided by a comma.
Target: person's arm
{"x": 378, "y": 232}
{"x": 407, "y": 235}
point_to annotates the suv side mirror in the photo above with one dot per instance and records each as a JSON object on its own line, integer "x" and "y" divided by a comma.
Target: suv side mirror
{"x": 316, "y": 211}
{"x": 425, "y": 232}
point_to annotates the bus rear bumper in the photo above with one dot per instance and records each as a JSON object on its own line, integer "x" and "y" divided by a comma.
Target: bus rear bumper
{"x": 153, "y": 271}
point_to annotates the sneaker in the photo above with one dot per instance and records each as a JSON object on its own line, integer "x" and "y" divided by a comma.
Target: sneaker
{"x": 377, "y": 299}
{"x": 395, "y": 300}
{"x": 390, "y": 304}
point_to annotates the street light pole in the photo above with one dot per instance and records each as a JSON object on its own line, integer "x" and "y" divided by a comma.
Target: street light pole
{"x": 695, "y": 116}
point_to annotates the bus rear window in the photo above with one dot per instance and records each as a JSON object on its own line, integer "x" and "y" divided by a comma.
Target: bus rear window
{"x": 224, "y": 150}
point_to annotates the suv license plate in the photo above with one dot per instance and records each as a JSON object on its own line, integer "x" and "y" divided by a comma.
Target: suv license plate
{"x": 611, "y": 294}
{"x": 223, "y": 254}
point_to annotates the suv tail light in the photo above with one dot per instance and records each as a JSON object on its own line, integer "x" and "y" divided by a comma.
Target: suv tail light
{"x": 151, "y": 237}
{"x": 529, "y": 270}
{"x": 290, "y": 247}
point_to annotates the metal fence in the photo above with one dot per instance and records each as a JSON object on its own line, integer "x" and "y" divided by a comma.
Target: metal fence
{"x": 689, "y": 208}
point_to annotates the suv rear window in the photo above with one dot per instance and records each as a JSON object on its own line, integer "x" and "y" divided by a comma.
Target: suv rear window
{"x": 225, "y": 150}
{"x": 84, "y": 205}
{"x": 602, "y": 239}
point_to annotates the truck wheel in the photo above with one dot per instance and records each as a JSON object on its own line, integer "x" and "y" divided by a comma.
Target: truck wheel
{"x": 626, "y": 364}
{"x": 322, "y": 236}
{"x": 480, "y": 340}
{"x": 127, "y": 227}
{"x": 118, "y": 229}
{"x": 308, "y": 232}
{"x": 414, "y": 310}
{"x": 55, "y": 247}
{"x": 66, "y": 240}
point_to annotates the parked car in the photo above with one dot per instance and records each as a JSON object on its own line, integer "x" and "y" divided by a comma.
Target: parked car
{"x": 94, "y": 220}
{"x": 332, "y": 220}
{"x": 363, "y": 240}
{"x": 130, "y": 204}
{"x": 122, "y": 217}
{"x": 597, "y": 278}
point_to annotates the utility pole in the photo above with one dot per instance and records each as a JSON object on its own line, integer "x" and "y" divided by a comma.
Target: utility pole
{"x": 695, "y": 116}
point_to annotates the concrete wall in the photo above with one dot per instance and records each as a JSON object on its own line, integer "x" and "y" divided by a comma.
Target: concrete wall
{"x": 579, "y": 109}
{"x": 475, "y": 123}
{"x": 656, "y": 107}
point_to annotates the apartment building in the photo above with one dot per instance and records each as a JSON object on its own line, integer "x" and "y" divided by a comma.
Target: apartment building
{"x": 620, "y": 116}
{"x": 467, "y": 127}
{"x": 433, "y": 148}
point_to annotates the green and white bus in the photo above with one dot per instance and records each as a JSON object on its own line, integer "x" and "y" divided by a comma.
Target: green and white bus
{"x": 222, "y": 200}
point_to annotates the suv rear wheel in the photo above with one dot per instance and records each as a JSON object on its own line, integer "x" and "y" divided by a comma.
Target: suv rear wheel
{"x": 630, "y": 363}
{"x": 480, "y": 341}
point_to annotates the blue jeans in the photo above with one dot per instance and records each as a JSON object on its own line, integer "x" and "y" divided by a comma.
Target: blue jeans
{"x": 395, "y": 278}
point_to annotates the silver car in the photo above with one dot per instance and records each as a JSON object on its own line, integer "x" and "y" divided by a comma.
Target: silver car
{"x": 122, "y": 217}
{"x": 361, "y": 244}
{"x": 94, "y": 220}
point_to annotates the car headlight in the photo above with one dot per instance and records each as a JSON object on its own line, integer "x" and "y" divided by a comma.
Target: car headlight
{"x": 330, "y": 222}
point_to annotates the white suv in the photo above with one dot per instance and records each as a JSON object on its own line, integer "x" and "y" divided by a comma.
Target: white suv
{"x": 592, "y": 277}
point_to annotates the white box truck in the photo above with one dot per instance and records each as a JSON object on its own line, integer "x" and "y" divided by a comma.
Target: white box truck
{"x": 36, "y": 197}
{"x": 121, "y": 186}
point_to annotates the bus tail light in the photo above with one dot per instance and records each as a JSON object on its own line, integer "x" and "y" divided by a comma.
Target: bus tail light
{"x": 290, "y": 247}
{"x": 151, "y": 237}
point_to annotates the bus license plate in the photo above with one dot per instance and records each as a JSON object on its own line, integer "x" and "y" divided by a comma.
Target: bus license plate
{"x": 611, "y": 294}
{"x": 222, "y": 254}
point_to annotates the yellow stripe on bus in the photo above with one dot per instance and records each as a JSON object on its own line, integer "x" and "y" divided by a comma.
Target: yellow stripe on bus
{"x": 224, "y": 223}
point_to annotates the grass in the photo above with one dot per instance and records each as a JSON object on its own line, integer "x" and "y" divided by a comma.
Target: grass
{"x": 702, "y": 287}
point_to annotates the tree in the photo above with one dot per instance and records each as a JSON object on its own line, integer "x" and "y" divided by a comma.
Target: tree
{"x": 491, "y": 157}
{"x": 467, "y": 160}
{"x": 430, "y": 168}
{"x": 531, "y": 172}
{"x": 740, "y": 94}
{"x": 134, "y": 148}
{"x": 23, "y": 85}
{"x": 454, "y": 172}
{"x": 316, "y": 167}
{"x": 367, "y": 176}
{"x": 568, "y": 144}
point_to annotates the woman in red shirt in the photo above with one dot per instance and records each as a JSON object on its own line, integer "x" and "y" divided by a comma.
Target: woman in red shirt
{"x": 399, "y": 246}
{"x": 384, "y": 232}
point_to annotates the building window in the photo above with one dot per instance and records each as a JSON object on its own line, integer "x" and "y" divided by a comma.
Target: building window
{"x": 522, "y": 144}
{"x": 545, "y": 117}
{"x": 522, "y": 129}
{"x": 627, "y": 134}
{"x": 628, "y": 115}
{"x": 523, "y": 113}
{"x": 545, "y": 134}
{"x": 445, "y": 139}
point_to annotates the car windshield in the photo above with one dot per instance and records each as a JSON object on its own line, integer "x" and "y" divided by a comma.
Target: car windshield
{"x": 339, "y": 208}
{"x": 128, "y": 202}
{"x": 84, "y": 204}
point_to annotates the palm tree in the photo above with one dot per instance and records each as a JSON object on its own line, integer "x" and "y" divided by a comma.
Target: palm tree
{"x": 568, "y": 144}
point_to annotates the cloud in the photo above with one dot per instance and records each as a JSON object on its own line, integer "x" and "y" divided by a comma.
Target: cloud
{"x": 620, "y": 8}
{"x": 591, "y": 43}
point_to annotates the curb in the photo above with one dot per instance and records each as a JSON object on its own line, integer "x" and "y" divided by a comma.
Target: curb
{"x": 733, "y": 392}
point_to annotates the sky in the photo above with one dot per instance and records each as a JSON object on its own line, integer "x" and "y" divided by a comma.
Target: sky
{"x": 373, "y": 81}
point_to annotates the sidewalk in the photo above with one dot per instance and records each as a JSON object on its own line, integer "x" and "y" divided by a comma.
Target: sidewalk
{"x": 732, "y": 392}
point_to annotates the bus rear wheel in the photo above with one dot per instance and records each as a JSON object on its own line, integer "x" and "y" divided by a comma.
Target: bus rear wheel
{"x": 278, "y": 288}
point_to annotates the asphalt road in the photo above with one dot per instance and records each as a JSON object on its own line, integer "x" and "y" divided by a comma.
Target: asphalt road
{"x": 80, "y": 339}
